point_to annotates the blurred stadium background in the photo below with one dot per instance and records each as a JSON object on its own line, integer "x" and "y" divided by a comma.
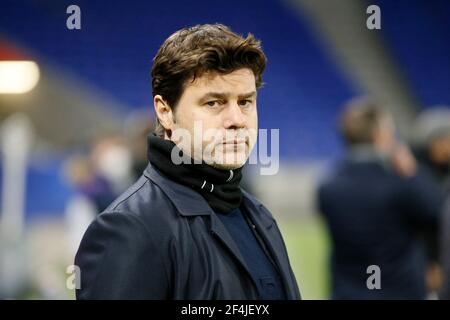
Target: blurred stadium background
{"x": 88, "y": 106}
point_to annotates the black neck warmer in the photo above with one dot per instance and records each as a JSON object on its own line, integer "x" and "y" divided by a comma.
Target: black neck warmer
{"x": 220, "y": 188}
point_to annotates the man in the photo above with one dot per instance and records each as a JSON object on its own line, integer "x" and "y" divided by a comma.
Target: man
{"x": 432, "y": 147}
{"x": 433, "y": 143}
{"x": 185, "y": 229}
{"x": 377, "y": 204}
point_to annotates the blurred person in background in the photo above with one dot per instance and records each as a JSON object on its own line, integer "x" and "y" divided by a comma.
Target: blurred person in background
{"x": 433, "y": 144}
{"x": 432, "y": 149}
{"x": 98, "y": 178}
{"x": 377, "y": 204}
{"x": 80, "y": 210}
{"x": 112, "y": 164}
{"x": 104, "y": 173}
{"x": 187, "y": 230}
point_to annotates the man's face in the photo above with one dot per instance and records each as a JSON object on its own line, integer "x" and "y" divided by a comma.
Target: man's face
{"x": 219, "y": 113}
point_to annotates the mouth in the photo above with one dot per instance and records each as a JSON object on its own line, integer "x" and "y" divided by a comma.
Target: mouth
{"x": 235, "y": 142}
{"x": 234, "y": 146}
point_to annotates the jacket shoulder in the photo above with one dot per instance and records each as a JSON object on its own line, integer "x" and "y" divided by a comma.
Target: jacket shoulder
{"x": 126, "y": 240}
{"x": 114, "y": 256}
{"x": 144, "y": 199}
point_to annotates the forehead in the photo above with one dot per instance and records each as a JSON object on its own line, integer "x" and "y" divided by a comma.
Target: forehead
{"x": 238, "y": 81}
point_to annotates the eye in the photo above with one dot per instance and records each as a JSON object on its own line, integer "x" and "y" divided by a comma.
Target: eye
{"x": 244, "y": 103}
{"x": 212, "y": 103}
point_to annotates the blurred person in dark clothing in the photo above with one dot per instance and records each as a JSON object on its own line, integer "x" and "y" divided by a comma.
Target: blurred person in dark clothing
{"x": 432, "y": 149}
{"x": 433, "y": 144}
{"x": 377, "y": 204}
{"x": 103, "y": 174}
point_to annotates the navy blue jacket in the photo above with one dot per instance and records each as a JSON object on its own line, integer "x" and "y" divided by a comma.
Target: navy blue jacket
{"x": 376, "y": 218}
{"x": 161, "y": 240}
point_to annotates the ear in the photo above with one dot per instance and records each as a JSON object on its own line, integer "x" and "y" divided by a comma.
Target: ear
{"x": 163, "y": 112}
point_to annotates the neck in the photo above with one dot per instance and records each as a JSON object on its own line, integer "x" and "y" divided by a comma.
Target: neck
{"x": 220, "y": 188}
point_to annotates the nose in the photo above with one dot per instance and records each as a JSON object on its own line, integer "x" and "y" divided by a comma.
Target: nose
{"x": 234, "y": 117}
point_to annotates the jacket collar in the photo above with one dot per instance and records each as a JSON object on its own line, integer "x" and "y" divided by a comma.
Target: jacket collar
{"x": 187, "y": 201}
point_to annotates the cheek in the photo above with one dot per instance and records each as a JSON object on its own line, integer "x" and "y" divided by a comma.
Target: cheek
{"x": 196, "y": 115}
{"x": 253, "y": 130}
{"x": 185, "y": 120}
{"x": 253, "y": 120}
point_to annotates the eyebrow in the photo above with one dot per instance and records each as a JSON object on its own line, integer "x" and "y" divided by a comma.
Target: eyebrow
{"x": 223, "y": 95}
